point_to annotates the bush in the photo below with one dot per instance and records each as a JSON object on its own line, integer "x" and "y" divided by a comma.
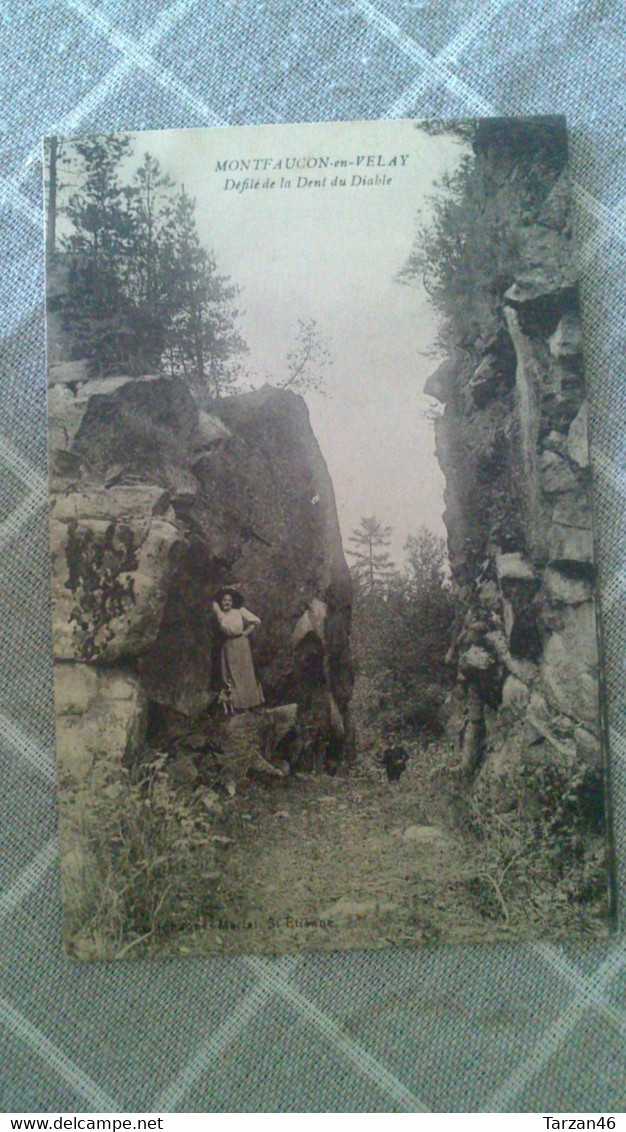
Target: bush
{"x": 152, "y": 867}
{"x": 544, "y": 858}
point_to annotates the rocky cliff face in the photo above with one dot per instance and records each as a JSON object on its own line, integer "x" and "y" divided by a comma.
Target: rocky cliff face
{"x": 512, "y": 442}
{"x": 155, "y": 504}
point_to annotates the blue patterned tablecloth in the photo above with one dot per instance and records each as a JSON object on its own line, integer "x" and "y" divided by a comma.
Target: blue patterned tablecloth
{"x": 501, "y": 1028}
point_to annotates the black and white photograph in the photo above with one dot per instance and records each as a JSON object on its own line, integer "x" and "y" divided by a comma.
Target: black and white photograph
{"x": 325, "y": 622}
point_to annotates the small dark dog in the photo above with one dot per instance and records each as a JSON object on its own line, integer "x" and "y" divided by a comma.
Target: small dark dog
{"x": 395, "y": 761}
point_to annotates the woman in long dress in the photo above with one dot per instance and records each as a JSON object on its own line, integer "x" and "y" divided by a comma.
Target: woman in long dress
{"x": 237, "y": 624}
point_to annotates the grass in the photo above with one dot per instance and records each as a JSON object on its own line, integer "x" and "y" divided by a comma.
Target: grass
{"x": 149, "y": 864}
{"x": 541, "y": 855}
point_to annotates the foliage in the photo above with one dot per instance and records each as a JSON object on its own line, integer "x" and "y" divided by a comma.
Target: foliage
{"x": 142, "y": 290}
{"x": 372, "y": 569}
{"x": 97, "y": 308}
{"x": 467, "y": 252}
{"x": 401, "y": 635}
{"x": 305, "y": 365}
{"x": 153, "y": 870}
{"x": 542, "y": 854}
{"x": 307, "y": 362}
{"x": 426, "y": 560}
{"x": 464, "y": 257}
{"x": 203, "y": 338}
{"x": 463, "y": 129}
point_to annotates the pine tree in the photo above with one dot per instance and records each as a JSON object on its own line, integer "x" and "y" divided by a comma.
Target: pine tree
{"x": 373, "y": 568}
{"x": 430, "y": 608}
{"x": 96, "y": 308}
{"x": 202, "y": 341}
{"x": 149, "y": 203}
{"x": 401, "y": 634}
{"x": 426, "y": 560}
{"x": 142, "y": 290}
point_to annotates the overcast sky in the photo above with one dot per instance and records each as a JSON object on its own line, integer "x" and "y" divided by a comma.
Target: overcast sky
{"x": 331, "y": 253}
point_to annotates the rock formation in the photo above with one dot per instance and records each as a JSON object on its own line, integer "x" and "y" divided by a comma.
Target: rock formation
{"x": 512, "y": 442}
{"x": 154, "y": 504}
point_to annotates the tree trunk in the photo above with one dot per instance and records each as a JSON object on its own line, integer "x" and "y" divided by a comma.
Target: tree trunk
{"x": 52, "y": 200}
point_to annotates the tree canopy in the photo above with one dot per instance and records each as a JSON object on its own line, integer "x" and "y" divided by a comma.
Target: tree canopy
{"x": 466, "y": 253}
{"x": 401, "y": 635}
{"x": 143, "y": 293}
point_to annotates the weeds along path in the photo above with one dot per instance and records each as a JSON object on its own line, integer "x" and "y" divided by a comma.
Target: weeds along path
{"x": 368, "y": 862}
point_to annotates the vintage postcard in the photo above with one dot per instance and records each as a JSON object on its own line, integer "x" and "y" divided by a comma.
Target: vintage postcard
{"x": 324, "y": 616}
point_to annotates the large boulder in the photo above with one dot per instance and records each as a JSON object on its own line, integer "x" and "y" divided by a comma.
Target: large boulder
{"x": 570, "y": 665}
{"x": 440, "y": 382}
{"x": 157, "y": 503}
{"x": 545, "y": 264}
{"x": 100, "y": 720}
{"x": 577, "y": 438}
{"x": 563, "y": 587}
{"x": 112, "y": 561}
{"x": 148, "y": 425}
{"x": 566, "y": 341}
{"x": 266, "y": 520}
{"x": 100, "y": 715}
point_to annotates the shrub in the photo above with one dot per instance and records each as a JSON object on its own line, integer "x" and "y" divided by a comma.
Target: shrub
{"x": 544, "y": 858}
{"x": 152, "y": 867}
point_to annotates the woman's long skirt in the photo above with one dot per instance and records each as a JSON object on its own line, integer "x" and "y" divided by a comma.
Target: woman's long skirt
{"x": 238, "y": 671}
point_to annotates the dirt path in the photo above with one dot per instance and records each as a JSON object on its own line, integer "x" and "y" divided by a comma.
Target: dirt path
{"x": 341, "y": 862}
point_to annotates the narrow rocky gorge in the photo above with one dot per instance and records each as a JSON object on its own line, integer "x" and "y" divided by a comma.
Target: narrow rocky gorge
{"x": 183, "y": 809}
